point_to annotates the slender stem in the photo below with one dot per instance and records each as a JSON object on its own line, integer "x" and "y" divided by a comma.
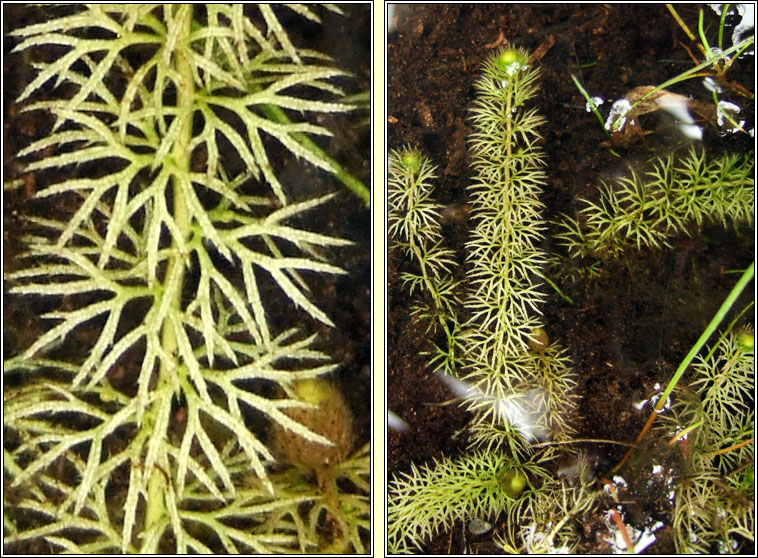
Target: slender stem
{"x": 430, "y": 285}
{"x": 591, "y": 103}
{"x": 584, "y": 441}
{"x": 730, "y": 448}
{"x": 724, "y": 10}
{"x": 156, "y": 505}
{"x": 547, "y": 279}
{"x": 622, "y": 528}
{"x": 684, "y": 432}
{"x": 717, "y": 319}
{"x": 348, "y": 180}
{"x": 708, "y": 51}
{"x": 506, "y": 203}
{"x": 747, "y": 276}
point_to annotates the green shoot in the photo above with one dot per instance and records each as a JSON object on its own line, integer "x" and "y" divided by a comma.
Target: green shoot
{"x": 648, "y": 211}
{"x": 747, "y": 276}
{"x": 721, "y": 25}
{"x": 352, "y": 183}
{"x": 711, "y": 61}
{"x": 590, "y": 103}
{"x": 414, "y": 223}
{"x": 730, "y": 326}
{"x": 712, "y": 424}
{"x": 703, "y": 39}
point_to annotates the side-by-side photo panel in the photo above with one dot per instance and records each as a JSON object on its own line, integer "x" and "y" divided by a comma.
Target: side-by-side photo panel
{"x": 571, "y": 245}
{"x": 187, "y": 279}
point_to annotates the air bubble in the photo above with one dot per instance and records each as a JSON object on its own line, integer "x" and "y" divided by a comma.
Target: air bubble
{"x": 479, "y": 527}
{"x": 724, "y": 109}
{"x": 619, "y": 110}
{"x": 593, "y": 103}
{"x": 710, "y": 84}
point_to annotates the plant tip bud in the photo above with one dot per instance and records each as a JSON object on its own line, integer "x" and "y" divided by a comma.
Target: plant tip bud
{"x": 513, "y": 482}
{"x": 746, "y": 340}
{"x": 511, "y": 61}
{"x": 411, "y": 160}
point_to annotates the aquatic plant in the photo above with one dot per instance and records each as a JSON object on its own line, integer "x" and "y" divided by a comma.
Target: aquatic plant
{"x": 551, "y": 524}
{"x": 711, "y": 418}
{"x": 504, "y": 295}
{"x": 715, "y": 409}
{"x": 517, "y": 384}
{"x": 509, "y": 374}
{"x": 712, "y": 421}
{"x": 140, "y": 421}
{"x": 414, "y": 222}
{"x": 479, "y": 484}
{"x": 648, "y": 211}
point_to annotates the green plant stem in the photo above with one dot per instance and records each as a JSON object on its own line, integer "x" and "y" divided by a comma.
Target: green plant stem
{"x": 432, "y": 288}
{"x": 550, "y": 282}
{"x": 592, "y": 104}
{"x": 724, "y": 10}
{"x": 728, "y": 329}
{"x": 348, "y": 180}
{"x": 156, "y": 505}
{"x": 730, "y": 448}
{"x": 708, "y": 51}
{"x": 717, "y": 319}
{"x": 692, "y": 72}
{"x": 584, "y": 441}
{"x": 747, "y": 276}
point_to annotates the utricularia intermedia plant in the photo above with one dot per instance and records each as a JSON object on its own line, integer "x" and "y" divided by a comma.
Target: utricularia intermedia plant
{"x": 492, "y": 350}
{"x": 496, "y": 353}
{"x": 181, "y": 398}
